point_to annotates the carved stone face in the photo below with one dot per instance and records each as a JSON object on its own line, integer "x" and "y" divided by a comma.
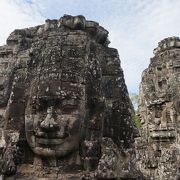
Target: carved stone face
{"x": 53, "y": 118}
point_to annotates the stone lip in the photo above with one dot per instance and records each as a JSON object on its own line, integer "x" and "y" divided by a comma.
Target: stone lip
{"x": 46, "y": 141}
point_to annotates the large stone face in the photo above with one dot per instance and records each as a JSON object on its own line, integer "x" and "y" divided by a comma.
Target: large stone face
{"x": 158, "y": 147}
{"x": 62, "y": 91}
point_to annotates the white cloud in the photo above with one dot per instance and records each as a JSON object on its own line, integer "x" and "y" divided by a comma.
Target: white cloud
{"x": 137, "y": 34}
{"x": 16, "y": 14}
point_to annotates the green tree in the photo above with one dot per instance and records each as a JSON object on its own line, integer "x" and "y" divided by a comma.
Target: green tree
{"x": 134, "y": 98}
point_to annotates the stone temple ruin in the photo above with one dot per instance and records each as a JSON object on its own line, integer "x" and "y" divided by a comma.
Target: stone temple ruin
{"x": 158, "y": 148}
{"x": 65, "y": 112}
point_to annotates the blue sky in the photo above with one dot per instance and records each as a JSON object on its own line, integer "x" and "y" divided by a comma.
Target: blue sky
{"x": 135, "y": 26}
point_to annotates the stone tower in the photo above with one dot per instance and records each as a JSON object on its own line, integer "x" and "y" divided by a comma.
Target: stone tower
{"x": 65, "y": 108}
{"x": 158, "y": 148}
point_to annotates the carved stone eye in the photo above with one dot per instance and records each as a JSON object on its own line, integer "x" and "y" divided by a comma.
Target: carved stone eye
{"x": 42, "y": 105}
{"x": 57, "y": 103}
{"x": 69, "y": 105}
{"x": 68, "y": 108}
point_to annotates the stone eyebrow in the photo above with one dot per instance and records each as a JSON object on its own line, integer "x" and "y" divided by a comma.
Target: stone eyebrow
{"x": 69, "y": 102}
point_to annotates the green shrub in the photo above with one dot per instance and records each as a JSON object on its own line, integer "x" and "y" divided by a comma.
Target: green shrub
{"x": 137, "y": 121}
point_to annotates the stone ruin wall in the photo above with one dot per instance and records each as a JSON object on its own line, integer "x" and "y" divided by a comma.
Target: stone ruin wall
{"x": 158, "y": 147}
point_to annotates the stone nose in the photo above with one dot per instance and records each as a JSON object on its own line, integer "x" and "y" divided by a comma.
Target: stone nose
{"x": 49, "y": 124}
{"x": 62, "y": 133}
